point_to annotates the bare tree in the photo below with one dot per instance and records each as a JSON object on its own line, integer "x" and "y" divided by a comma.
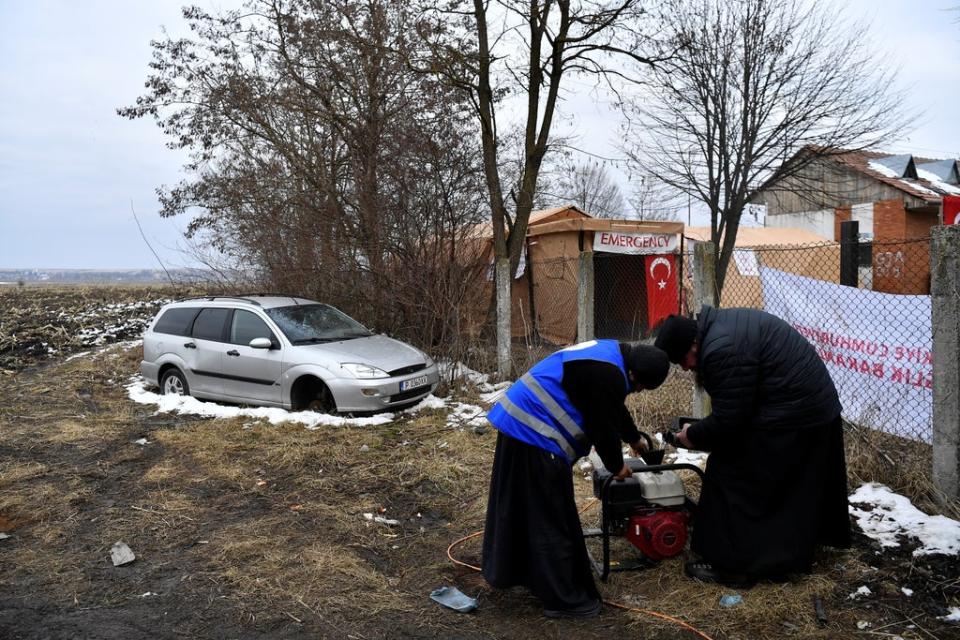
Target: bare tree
{"x": 652, "y": 199}
{"x": 754, "y": 82}
{"x": 527, "y": 48}
{"x": 590, "y": 187}
{"x": 318, "y": 156}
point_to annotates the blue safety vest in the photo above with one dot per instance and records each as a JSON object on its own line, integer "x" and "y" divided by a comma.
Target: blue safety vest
{"x": 536, "y": 410}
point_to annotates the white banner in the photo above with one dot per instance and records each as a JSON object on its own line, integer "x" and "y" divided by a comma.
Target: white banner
{"x": 877, "y": 347}
{"x": 623, "y": 242}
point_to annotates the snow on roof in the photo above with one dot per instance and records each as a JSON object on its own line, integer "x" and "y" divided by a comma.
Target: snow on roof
{"x": 903, "y": 172}
{"x": 880, "y": 167}
{"x": 945, "y": 170}
{"x": 938, "y": 183}
{"x": 902, "y": 165}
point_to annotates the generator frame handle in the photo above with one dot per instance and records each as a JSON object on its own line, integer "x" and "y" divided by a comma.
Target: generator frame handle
{"x": 637, "y": 466}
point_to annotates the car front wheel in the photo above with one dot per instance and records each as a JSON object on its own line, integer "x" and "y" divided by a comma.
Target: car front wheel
{"x": 174, "y": 382}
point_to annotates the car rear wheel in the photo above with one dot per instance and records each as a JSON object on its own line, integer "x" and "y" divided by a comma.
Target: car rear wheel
{"x": 174, "y": 382}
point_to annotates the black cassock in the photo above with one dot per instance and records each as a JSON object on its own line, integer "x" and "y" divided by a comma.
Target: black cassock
{"x": 769, "y": 499}
{"x": 775, "y": 483}
{"x": 533, "y": 536}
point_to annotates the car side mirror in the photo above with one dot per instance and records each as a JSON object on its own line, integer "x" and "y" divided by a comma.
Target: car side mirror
{"x": 261, "y": 343}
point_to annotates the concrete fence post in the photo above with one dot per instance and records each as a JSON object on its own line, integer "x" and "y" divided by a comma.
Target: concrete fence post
{"x": 585, "y": 308}
{"x": 945, "y": 312}
{"x": 502, "y": 271}
{"x": 704, "y": 292}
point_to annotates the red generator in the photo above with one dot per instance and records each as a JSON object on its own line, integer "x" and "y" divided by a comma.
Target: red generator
{"x": 650, "y": 509}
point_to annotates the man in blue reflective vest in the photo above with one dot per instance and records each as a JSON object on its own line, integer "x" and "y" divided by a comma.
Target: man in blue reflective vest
{"x": 547, "y": 420}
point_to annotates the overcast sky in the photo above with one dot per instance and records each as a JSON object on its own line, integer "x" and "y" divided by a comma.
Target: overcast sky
{"x": 71, "y": 169}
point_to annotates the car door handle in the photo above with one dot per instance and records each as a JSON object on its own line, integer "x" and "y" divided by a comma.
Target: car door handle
{"x": 233, "y": 352}
{"x": 190, "y": 345}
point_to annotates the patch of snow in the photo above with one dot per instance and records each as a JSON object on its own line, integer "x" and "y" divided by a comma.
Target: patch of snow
{"x": 137, "y": 392}
{"x": 430, "y": 402}
{"x": 687, "y": 456}
{"x": 125, "y": 346}
{"x": 934, "y": 179}
{"x": 919, "y": 187}
{"x": 883, "y": 169}
{"x": 862, "y": 592}
{"x": 458, "y": 370}
{"x": 893, "y": 515}
{"x": 890, "y": 173}
{"x": 863, "y": 624}
{"x": 906, "y": 591}
{"x": 381, "y": 520}
{"x": 953, "y": 615}
{"x": 496, "y": 393}
{"x": 466, "y": 415}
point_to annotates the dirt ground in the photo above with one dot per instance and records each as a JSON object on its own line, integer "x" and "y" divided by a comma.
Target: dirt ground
{"x": 244, "y": 529}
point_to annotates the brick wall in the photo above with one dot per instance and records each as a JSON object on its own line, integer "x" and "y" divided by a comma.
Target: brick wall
{"x": 889, "y": 220}
{"x": 900, "y": 267}
{"x": 841, "y": 214}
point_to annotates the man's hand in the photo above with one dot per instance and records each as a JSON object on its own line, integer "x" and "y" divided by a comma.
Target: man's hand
{"x": 623, "y": 474}
{"x": 682, "y": 437}
{"x": 638, "y": 447}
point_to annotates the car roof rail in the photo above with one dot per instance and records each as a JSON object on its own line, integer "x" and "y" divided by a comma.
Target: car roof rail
{"x": 244, "y": 299}
{"x": 277, "y": 295}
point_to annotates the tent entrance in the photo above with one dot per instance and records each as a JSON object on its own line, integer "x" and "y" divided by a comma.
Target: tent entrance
{"x": 620, "y": 296}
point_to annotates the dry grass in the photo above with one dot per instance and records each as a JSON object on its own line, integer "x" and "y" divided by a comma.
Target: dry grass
{"x": 266, "y": 524}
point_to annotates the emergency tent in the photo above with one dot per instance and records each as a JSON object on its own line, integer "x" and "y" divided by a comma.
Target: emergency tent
{"x": 623, "y": 253}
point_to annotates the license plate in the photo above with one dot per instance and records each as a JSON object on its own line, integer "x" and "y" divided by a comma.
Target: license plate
{"x": 413, "y": 383}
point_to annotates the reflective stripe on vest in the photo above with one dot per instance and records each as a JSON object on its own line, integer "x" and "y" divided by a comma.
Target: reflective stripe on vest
{"x": 551, "y": 405}
{"x": 538, "y": 426}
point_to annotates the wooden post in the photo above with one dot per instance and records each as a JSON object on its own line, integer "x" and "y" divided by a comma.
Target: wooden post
{"x": 704, "y": 293}
{"x": 849, "y": 253}
{"x": 502, "y": 270}
{"x": 945, "y": 312}
{"x": 585, "y": 310}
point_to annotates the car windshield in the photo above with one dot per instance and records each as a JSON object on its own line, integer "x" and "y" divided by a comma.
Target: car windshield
{"x": 315, "y": 323}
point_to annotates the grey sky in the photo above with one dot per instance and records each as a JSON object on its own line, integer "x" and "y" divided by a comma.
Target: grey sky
{"x": 70, "y": 167}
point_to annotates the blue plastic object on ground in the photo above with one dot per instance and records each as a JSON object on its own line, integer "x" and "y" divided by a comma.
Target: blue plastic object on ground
{"x": 454, "y": 598}
{"x": 730, "y": 600}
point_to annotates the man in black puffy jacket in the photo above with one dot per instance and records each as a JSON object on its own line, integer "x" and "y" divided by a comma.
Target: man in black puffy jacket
{"x": 775, "y": 482}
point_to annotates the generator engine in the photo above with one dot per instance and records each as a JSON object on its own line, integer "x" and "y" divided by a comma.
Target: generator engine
{"x": 650, "y": 509}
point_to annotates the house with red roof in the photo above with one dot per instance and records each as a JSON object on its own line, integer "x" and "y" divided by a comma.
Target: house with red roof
{"x": 896, "y": 199}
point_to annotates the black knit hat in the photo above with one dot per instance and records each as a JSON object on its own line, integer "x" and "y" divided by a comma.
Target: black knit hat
{"x": 677, "y": 335}
{"x": 648, "y": 364}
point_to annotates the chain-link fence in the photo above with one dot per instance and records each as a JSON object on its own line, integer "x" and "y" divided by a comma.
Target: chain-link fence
{"x": 874, "y": 334}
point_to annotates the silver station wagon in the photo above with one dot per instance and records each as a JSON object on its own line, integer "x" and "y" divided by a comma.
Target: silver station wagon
{"x": 284, "y": 352}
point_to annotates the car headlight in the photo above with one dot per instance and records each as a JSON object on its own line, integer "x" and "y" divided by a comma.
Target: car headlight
{"x": 429, "y": 360}
{"x": 364, "y": 371}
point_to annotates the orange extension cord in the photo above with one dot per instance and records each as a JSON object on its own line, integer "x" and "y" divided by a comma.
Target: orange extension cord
{"x": 655, "y": 614}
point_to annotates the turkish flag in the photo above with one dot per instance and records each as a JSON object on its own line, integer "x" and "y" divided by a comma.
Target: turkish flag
{"x": 951, "y": 209}
{"x": 662, "y": 298}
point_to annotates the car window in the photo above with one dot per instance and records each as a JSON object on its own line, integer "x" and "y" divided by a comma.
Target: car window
{"x": 307, "y": 323}
{"x": 246, "y": 326}
{"x": 177, "y": 321}
{"x": 209, "y": 324}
